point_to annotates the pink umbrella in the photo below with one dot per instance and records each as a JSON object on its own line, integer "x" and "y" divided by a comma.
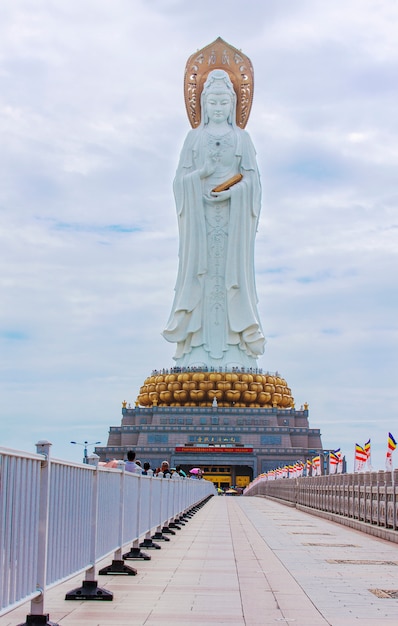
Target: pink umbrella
{"x": 195, "y": 470}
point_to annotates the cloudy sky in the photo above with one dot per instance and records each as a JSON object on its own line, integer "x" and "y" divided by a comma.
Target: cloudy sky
{"x": 92, "y": 120}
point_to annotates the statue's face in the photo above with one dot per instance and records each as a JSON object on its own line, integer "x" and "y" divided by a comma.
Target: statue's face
{"x": 218, "y": 106}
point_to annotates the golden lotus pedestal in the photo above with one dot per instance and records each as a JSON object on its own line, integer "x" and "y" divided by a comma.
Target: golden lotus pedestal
{"x": 226, "y": 389}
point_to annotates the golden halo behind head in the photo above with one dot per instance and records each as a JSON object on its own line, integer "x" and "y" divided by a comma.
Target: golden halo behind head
{"x": 218, "y": 55}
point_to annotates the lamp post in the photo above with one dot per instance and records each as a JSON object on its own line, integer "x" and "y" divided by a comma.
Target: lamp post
{"x": 324, "y": 454}
{"x": 312, "y": 452}
{"x": 85, "y": 444}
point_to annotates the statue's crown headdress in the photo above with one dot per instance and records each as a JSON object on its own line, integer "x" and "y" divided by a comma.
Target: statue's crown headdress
{"x": 218, "y": 56}
{"x": 218, "y": 80}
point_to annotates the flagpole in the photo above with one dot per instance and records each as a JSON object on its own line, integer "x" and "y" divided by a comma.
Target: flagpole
{"x": 394, "y": 512}
{"x": 391, "y": 446}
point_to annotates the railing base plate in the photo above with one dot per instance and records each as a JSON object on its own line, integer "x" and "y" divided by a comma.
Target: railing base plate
{"x": 148, "y": 543}
{"x": 89, "y": 591}
{"x": 136, "y": 553}
{"x": 159, "y": 536}
{"x": 118, "y": 567}
{"x": 38, "y": 620}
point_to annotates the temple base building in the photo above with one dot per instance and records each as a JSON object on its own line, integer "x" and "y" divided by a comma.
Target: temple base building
{"x": 232, "y": 425}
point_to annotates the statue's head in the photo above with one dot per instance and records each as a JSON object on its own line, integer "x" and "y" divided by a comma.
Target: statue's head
{"x": 218, "y": 82}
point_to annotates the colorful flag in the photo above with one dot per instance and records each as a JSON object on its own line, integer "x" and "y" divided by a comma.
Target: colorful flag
{"x": 340, "y": 465}
{"x": 367, "y": 450}
{"x": 360, "y": 458}
{"x": 316, "y": 466}
{"x": 391, "y": 445}
{"x": 360, "y": 453}
{"x": 333, "y": 461}
{"x": 300, "y": 468}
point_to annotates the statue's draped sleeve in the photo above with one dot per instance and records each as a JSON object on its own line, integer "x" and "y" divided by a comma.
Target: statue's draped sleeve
{"x": 186, "y": 315}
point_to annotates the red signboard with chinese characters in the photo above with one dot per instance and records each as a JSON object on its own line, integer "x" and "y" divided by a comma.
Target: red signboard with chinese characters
{"x": 212, "y": 450}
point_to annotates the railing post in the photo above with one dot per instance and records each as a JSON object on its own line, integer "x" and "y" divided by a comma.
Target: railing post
{"x": 135, "y": 552}
{"x": 159, "y": 536}
{"x": 89, "y": 589}
{"x": 148, "y": 540}
{"x": 386, "y": 473}
{"x": 175, "y": 508}
{"x": 37, "y": 617}
{"x": 167, "y": 530}
{"x": 390, "y": 500}
{"x": 118, "y": 566}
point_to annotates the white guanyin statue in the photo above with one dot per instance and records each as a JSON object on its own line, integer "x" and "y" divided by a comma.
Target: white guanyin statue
{"x": 214, "y": 319}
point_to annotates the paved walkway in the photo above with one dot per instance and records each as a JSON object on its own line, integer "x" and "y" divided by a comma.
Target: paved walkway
{"x": 245, "y": 562}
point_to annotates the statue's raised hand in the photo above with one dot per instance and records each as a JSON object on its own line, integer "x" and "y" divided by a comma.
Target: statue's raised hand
{"x": 210, "y": 165}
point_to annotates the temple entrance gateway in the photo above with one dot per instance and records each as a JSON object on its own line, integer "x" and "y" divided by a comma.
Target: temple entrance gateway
{"x": 220, "y": 476}
{"x": 227, "y": 476}
{"x": 242, "y": 481}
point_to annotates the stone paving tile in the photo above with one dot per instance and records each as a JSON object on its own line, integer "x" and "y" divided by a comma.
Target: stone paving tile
{"x": 339, "y": 592}
{"x": 243, "y": 562}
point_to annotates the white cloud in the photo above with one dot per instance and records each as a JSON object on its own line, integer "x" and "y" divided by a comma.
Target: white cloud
{"x": 92, "y": 120}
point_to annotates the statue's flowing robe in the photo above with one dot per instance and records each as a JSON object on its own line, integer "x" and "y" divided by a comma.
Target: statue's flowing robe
{"x": 185, "y": 326}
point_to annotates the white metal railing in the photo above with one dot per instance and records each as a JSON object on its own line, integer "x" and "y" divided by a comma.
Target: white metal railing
{"x": 368, "y": 497}
{"x": 59, "y": 518}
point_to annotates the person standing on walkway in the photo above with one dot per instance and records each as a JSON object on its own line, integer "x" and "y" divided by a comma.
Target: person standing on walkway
{"x": 147, "y": 471}
{"x": 165, "y": 470}
{"x": 130, "y": 465}
{"x": 181, "y": 471}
